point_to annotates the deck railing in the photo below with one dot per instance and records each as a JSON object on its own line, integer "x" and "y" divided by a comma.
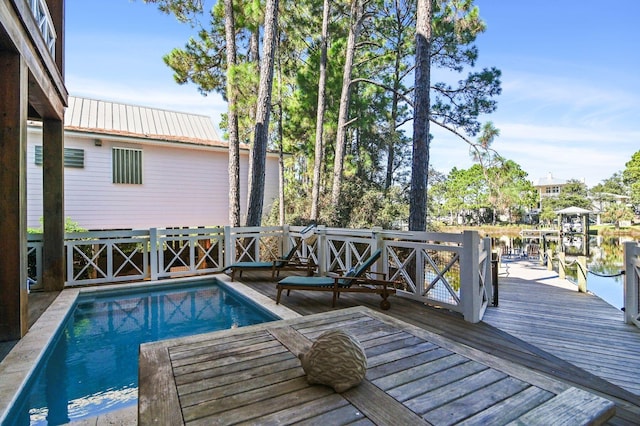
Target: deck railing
{"x": 450, "y": 270}
{"x": 40, "y": 12}
{"x": 632, "y": 283}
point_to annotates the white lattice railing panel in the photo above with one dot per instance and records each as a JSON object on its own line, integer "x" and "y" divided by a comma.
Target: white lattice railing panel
{"x": 345, "y": 253}
{"x": 83, "y": 262}
{"x": 126, "y": 253}
{"x": 427, "y": 272}
{"x": 210, "y": 253}
{"x": 442, "y": 276}
{"x": 98, "y": 257}
{"x": 254, "y": 244}
{"x": 175, "y": 254}
{"x": 187, "y": 251}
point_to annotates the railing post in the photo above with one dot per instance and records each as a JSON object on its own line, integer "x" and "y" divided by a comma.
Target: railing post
{"x": 549, "y": 260}
{"x": 631, "y": 283}
{"x": 229, "y": 247}
{"x": 376, "y": 243}
{"x": 192, "y": 241}
{"x": 562, "y": 264}
{"x": 321, "y": 230}
{"x": 69, "y": 248}
{"x": 582, "y": 274}
{"x": 154, "y": 253}
{"x": 286, "y": 241}
{"x": 469, "y": 277}
{"x": 489, "y": 285}
{"x": 495, "y": 265}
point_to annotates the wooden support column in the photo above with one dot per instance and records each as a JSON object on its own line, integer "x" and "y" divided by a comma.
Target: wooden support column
{"x": 53, "y": 204}
{"x": 14, "y": 321}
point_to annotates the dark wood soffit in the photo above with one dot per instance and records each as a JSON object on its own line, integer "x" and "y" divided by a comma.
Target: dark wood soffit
{"x": 47, "y": 92}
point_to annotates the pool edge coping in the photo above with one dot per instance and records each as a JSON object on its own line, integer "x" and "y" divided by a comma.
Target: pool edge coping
{"x": 20, "y": 362}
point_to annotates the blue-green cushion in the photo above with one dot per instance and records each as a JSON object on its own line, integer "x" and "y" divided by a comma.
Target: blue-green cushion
{"x": 249, "y": 265}
{"x": 307, "y": 281}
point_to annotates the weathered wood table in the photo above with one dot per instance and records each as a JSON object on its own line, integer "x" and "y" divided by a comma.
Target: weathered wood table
{"x": 252, "y": 375}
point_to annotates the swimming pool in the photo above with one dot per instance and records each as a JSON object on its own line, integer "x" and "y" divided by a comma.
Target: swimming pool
{"x": 92, "y": 367}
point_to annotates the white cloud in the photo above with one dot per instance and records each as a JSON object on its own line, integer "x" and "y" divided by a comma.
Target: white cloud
{"x": 567, "y": 152}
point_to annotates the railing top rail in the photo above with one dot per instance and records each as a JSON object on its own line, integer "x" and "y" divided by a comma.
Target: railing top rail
{"x": 426, "y": 237}
{"x": 454, "y": 248}
{"x": 170, "y": 232}
{"x": 106, "y": 234}
{"x": 414, "y": 236}
{"x": 255, "y": 229}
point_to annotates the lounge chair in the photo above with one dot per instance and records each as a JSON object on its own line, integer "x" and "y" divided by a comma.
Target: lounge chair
{"x": 286, "y": 262}
{"x": 356, "y": 280}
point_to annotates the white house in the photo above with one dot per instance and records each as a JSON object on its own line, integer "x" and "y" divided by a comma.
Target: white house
{"x": 548, "y": 186}
{"x": 133, "y": 167}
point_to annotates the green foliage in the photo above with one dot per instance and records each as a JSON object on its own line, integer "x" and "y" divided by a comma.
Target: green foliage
{"x": 372, "y": 207}
{"x": 614, "y": 213}
{"x": 573, "y": 194}
{"x": 511, "y": 193}
{"x": 69, "y": 226}
{"x": 501, "y": 190}
{"x": 183, "y": 10}
{"x": 610, "y": 186}
{"x": 631, "y": 178}
{"x": 378, "y": 151}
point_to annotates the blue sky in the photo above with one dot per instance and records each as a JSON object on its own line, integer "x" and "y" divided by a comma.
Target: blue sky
{"x": 570, "y": 102}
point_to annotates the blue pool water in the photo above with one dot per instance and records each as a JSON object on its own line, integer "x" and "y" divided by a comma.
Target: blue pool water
{"x": 93, "y": 366}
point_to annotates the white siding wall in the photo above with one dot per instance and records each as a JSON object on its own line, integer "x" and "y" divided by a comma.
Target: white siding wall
{"x": 183, "y": 185}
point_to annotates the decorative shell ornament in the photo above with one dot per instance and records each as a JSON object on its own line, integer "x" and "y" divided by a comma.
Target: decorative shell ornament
{"x": 335, "y": 359}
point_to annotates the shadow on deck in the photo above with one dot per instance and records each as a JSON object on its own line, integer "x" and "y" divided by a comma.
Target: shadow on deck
{"x": 38, "y": 303}
{"x": 574, "y": 337}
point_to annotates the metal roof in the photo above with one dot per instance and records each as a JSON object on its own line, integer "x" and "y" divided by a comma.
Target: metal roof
{"x": 573, "y": 210}
{"x": 113, "y": 118}
{"x": 550, "y": 180}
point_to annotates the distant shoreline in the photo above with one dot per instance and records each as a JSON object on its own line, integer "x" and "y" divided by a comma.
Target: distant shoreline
{"x": 514, "y": 230}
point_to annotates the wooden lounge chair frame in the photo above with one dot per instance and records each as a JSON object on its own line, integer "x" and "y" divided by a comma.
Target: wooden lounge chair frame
{"x": 358, "y": 280}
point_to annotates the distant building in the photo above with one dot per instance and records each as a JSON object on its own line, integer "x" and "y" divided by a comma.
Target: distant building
{"x": 136, "y": 167}
{"x": 548, "y": 187}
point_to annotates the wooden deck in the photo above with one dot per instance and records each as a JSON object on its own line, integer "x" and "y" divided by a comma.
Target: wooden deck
{"x": 574, "y": 337}
{"x": 252, "y": 375}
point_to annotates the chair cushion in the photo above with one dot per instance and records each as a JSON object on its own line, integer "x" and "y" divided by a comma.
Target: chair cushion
{"x": 248, "y": 265}
{"x": 307, "y": 281}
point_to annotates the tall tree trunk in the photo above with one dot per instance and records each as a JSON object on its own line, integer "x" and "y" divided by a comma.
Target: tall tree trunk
{"x": 232, "y": 117}
{"x": 281, "y": 211}
{"x": 322, "y": 85}
{"x": 261, "y": 135}
{"x": 393, "y": 120}
{"x": 254, "y": 56}
{"x": 343, "y": 113}
{"x": 420, "y": 157}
